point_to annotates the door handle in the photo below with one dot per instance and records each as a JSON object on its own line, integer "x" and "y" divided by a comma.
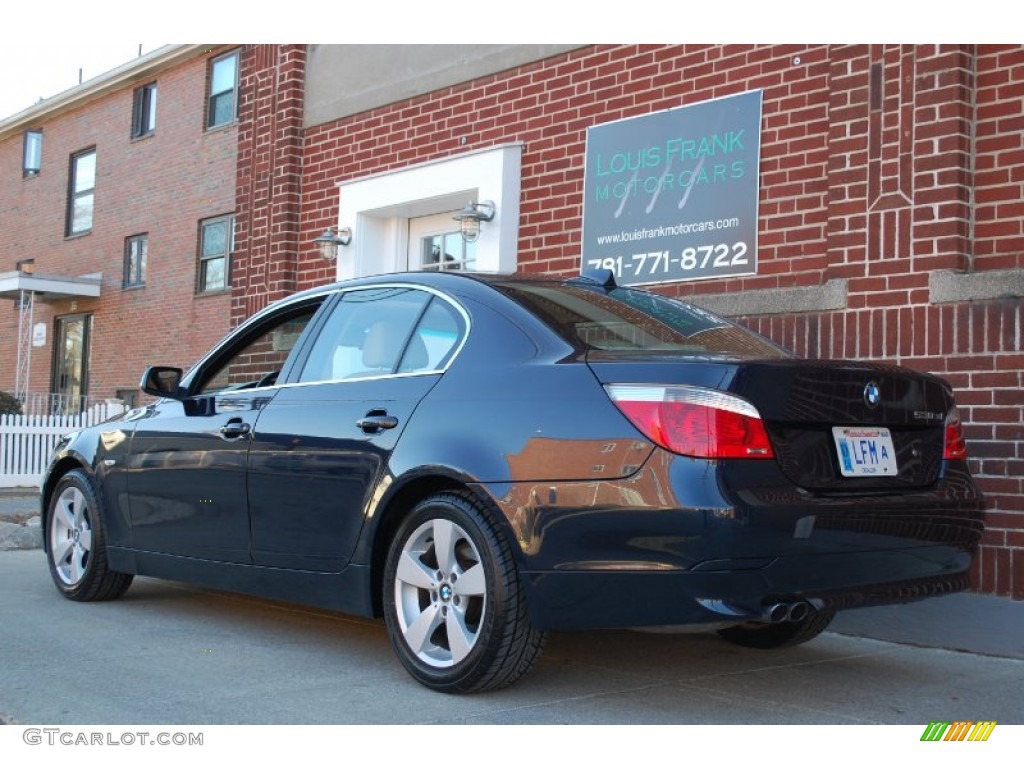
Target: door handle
{"x": 376, "y": 421}
{"x": 235, "y": 428}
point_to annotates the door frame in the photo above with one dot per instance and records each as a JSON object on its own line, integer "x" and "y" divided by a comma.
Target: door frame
{"x": 57, "y": 357}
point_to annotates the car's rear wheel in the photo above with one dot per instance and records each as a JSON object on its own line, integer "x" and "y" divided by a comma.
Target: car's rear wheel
{"x": 781, "y": 635}
{"x": 453, "y": 604}
{"x": 76, "y": 542}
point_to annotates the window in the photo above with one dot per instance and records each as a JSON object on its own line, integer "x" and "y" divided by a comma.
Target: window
{"x": 624, "y": 320}
{"x": 383, "y": 331}
{"x": 216, "y": 241}
{"x": 144, "y": 111}
{"x": 127, "y": 396}
{"x": 259, "y": 355}
{"x": 33, "y": 157}
{"x": 447, "y": 252}
{"x": 222, "y": 106}
{"x": 135, "y": 249}
{"x": 436, "y": 244}
{"x": 435, "y": 340}
{"x": 81, "y": 186}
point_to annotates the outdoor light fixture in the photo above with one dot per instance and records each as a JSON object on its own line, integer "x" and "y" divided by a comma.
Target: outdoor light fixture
{"x": 471, "y": 216}
{"x": 329, "y": 241}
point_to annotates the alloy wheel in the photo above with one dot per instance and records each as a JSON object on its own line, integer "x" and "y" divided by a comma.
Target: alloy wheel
{"x": 440, "y": 593}
{"x": 71, "y": 536}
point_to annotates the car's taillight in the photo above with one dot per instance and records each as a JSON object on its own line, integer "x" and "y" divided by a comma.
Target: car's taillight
{"x": 694, "y": 421}
{"x": 956, "y": 445}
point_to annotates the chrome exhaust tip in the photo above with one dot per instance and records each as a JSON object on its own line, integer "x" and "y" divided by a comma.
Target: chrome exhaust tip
{"x": 775, "y": 613}
{"x": 798, "y": 611}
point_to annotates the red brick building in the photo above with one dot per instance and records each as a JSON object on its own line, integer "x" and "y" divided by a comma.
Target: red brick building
{"x": 116, "y": 206}
{"x": 890, "y": 225}
{"x": 890, "y": 222}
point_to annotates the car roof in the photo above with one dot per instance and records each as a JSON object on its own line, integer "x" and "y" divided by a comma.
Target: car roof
{"x": 438, "y": 280}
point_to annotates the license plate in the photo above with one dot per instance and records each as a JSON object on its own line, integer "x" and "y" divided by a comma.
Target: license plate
{"x": 865, "y": 451}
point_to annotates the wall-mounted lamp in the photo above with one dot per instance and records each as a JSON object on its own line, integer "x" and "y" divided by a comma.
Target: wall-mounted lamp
{"x": 329, "y": 241}
{"x": 471, "y": 216}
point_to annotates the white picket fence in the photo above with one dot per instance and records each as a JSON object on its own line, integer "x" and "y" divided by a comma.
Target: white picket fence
{"x": 26, "y": 442}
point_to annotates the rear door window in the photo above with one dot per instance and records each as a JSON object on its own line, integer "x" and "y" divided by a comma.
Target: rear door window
{"x": 384, "y": 331}
{"x": 436, "y": 339}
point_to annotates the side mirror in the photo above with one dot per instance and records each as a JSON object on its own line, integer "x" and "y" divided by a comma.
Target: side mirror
{"x": 162, "y": 381}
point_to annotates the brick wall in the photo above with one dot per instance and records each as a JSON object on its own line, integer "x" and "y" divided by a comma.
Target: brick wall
{"x": 163, "y": 184}
{"x": 999, "y": 159}
{"x": 269, "y": 176}
{"x": 879, "y": 166}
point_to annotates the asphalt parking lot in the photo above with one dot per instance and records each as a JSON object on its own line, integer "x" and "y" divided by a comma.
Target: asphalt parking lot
{"x": 172, "y": 654}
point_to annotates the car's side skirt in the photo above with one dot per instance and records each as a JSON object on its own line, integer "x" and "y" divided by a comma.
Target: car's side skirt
{"x": 347, "y": 591}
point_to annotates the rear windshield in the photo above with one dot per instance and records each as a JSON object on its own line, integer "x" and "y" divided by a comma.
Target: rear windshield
{"x": 629, "y": 320}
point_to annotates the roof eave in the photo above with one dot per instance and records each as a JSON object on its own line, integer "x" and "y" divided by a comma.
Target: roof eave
{"x": 98, "y": 86}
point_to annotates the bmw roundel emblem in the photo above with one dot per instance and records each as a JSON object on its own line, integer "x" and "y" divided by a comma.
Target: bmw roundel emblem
{"x": 872, "y": 394}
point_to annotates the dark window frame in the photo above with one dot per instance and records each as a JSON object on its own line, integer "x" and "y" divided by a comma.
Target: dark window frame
{"x": 202, "y": 257}
{"x": 144, "y": 110}
{"x": 75, "y": 194}
{"x": 135, "y": 259}
{"x": 213, "y": 97}
{"x": 27, "y": 170}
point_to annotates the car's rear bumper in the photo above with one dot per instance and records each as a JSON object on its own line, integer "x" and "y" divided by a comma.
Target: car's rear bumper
{"x": 609, "y": 598}
{"x": 690, "y": 541}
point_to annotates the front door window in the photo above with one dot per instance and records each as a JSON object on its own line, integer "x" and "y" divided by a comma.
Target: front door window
{"x": 435, "y": 244}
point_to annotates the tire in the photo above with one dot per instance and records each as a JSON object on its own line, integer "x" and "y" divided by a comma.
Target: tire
{"x": 456, "y": 613}
{"x": 76, "y": 542}
{"x": 782, "y": 635}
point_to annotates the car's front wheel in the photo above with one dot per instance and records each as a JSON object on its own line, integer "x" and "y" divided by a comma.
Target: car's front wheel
{"x": 453, "y": 604}
{"x": 76, "y": 542}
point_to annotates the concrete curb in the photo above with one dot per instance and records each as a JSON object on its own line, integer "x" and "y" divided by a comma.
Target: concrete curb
{"x": 23, "y": 535}
{"x": 19, "y": 519}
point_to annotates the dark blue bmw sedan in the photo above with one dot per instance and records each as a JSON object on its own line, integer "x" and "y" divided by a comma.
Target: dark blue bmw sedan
{"x": 481, "y": 459}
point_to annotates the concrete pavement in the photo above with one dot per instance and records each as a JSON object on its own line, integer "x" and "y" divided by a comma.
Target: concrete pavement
{"x": 964, "y": 622}
{"x": 169, "y": 653}
{"x": 968, "y": 622}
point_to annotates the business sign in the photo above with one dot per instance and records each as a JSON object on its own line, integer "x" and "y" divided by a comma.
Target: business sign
{"x": 39, "y": 335}
{"x": 672, "y": 195}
